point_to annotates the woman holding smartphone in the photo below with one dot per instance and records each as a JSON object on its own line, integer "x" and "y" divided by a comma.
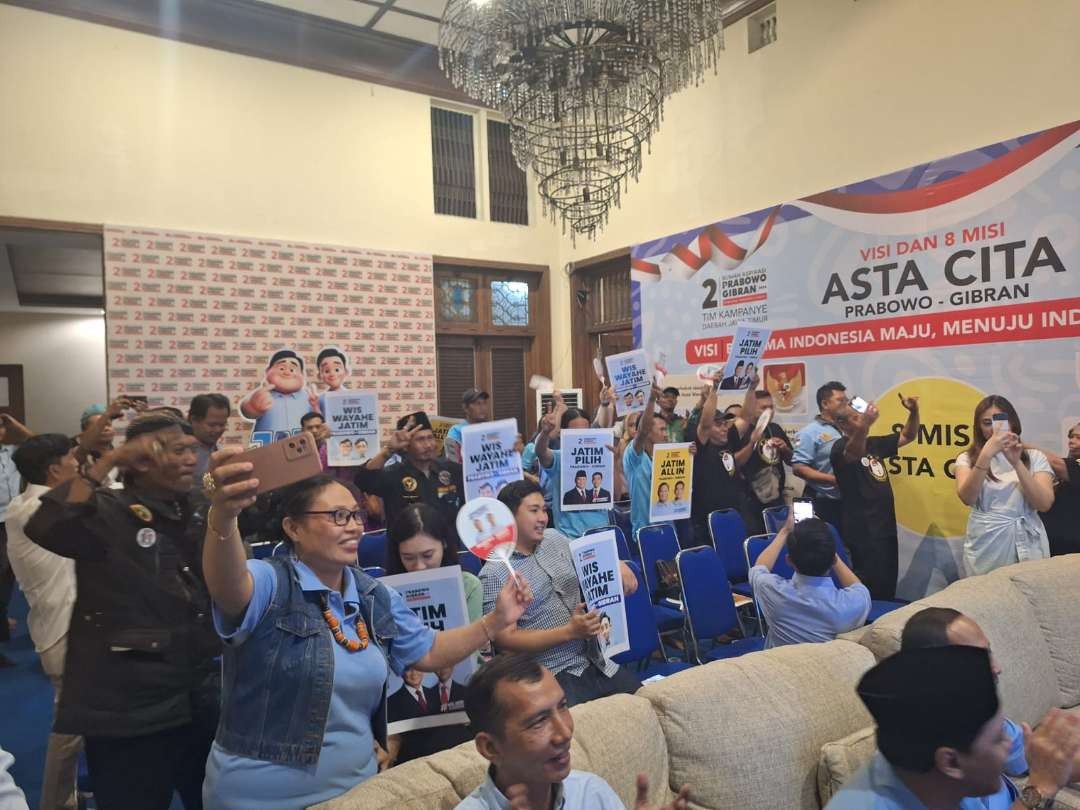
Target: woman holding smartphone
{"x": 309, "y": 639}
{"x": 1005, "y": 486}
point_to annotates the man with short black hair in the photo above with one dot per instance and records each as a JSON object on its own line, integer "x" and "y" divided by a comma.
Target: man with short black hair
{"x": 674, "y": 425}
{"x": 209, "y": 417}
{"x": 808, "y": 607}
{"x": 941, "y": 741}
{"x": 556, "y": 629}
{"x": 48, "y": 582}
{"x": 476, "y": 405}
{"x": 523, "y": 728}
{"x": 811, "y": 460}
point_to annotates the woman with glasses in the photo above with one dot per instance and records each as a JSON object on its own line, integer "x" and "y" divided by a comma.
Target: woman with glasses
{"x": 309, "y": 639}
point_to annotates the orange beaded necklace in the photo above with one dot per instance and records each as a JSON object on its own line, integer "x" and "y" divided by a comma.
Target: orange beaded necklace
{"x": 349, "y": 644}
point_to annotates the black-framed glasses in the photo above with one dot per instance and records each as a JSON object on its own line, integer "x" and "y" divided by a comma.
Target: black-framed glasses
{"x": 341, "y": 516}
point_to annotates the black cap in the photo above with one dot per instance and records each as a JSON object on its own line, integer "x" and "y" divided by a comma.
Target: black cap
{"x": 473, "y": 394}
{"x": 285, "y": 354}
{"x": 420, "y": 419}
{"x": 331, "y": 351}
{"x": 930, "y": 697}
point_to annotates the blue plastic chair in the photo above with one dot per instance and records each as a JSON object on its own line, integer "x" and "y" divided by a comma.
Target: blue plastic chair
{"x": 375, "y": 571}
{"x": 260, "y": 551}
{"x": 469, "y": 562}
{"x": 280, "y": 550}
{"x": 775, "y": 517}
{"x": 620, "y": 540}
{"x": 620, "y": 516}
{"x": 644, "y": 637}
{"x": 658, "y": 541}
{"x": 757, "y": 544}
{"x": 372, "y": 549}
{"x": 710, "y": 606}
{"x": 728, "y": 532}
{"x": 878, "y": 607}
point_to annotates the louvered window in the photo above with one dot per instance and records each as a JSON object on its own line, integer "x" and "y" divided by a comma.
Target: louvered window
{"x": 453, "y": 162}
{"x": 508, "y": 385}
{"x": 506, "y": 182}
{"x": 456, "y": 367}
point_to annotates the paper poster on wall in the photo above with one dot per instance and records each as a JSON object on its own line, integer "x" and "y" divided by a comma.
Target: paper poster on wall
{"x": 956, "y": 277}
{"x": 440, "y": 426}
{"x": 672, "y": 482}
{"x": 745, "y": 358}
{"x": 353, "y": 419}
{"x": 596, "y": 559}
{"x": 281, "y": 399}
{"x": 588, "y": 468}
{"x": 630, "y": 376}
{"x": 489, "y": 460}
{"x": 425, "y": 700}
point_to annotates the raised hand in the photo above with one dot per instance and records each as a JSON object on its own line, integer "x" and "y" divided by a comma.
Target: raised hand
{"x": 1051, "y": 751}
{"x": 548, "y": 423}
{"x": 910, "y": 403}
{"x": 871, "y": 415}
{"x": 261, "y": 401}
{"x": 513, "y": 600}
{"x": 399, "y": 439}
{"x": 234, "y": 488}
{"x": 641, "y": 802}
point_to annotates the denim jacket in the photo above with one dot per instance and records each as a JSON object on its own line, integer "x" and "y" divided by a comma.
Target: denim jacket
{"x": 276, "y": 686}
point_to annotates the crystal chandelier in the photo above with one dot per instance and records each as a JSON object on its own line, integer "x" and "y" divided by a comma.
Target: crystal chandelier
{"x": 582, "y": 84}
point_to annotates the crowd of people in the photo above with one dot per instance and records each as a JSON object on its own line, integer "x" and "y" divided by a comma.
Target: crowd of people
{"x": 182, "y": 664}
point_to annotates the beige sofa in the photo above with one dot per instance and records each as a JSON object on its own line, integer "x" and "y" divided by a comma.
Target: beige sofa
{"x": 782, "y": 728}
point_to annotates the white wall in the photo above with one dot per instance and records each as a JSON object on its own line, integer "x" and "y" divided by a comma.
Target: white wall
{"x": 63, "y": 360}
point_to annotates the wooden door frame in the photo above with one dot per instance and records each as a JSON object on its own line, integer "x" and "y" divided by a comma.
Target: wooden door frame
{"x": 581, "y": 334}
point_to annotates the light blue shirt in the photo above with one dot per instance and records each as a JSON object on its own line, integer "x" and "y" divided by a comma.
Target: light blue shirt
{"x": 528, "y": 458}
{"x": 9, "y": 479}
{"x": 876, "y": 786}
{"x": 637, "y": 469}
{"x": 347, "y": 757}
{"x": 285, "y": 413}
{"x": 805, "y": 608}
{"x": 812, "y": 447}
{"x": 579, "y": 791}
{"x": 572, "y": 524}
{"x": 452, "y": 443}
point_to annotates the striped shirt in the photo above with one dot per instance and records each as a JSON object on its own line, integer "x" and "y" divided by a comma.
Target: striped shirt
{"x": 549, "y": 570}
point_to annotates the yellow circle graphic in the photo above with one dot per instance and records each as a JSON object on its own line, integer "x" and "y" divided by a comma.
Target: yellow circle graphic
{"x": 922, "y": 475}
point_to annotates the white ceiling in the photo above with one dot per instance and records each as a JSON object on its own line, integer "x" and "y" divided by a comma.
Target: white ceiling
{"x": 411, "y": 19}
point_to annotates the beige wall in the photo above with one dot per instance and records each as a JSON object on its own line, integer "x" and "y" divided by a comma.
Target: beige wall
{"x": 63, "y": 360}
{"x": 103, "y": 125}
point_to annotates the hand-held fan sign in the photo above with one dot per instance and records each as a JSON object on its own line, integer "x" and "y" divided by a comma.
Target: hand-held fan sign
{"x": 487, "y": 528}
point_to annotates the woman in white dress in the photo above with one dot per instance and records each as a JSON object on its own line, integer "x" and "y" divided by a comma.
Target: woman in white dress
{"x": 1006, "y": 487}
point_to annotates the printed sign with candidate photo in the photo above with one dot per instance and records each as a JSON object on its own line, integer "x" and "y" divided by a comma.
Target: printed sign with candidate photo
{"x": 631, "y": 379}
{"x": 596, "y": 559}
{"x": 353, "y": 419}
{"x": 425, "y": 700}
{"x": 440, "y": 426}
{"x": 588, "y": 469}
{"x": 745, "y": 357}
{"x": 488, "y": 458}
{"x": 487, "y": 528}
{"x": 672, "y": 482}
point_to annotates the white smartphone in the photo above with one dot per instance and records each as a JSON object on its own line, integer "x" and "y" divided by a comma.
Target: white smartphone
{"x": 1000, "y": 422}
{"x": 859, "y": 404}
{"x": 801, "y": 509}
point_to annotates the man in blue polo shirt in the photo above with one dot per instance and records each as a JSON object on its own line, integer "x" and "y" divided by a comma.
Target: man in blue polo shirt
{"x": 811, "y": 461}
{"x": 637, "y": 461}
{"x": 809, "y": 606}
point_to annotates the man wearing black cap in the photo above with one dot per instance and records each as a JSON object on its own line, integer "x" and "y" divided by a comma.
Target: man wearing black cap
{"x": 476, "y": 404}
{"x": 422, "y": 477}
{"x": 941, "y": 740}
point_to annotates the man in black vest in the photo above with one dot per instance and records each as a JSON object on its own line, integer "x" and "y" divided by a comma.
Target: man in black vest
{"x": 140, "y": 679}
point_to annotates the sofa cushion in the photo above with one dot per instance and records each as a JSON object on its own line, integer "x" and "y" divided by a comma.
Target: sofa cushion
{"x": 1028, "y": 684}
{"x": 415, "y": 785}
{"x": 747, "y": 732}
{"x": 841, "y": 758}
{"x": 1050, "y": 588}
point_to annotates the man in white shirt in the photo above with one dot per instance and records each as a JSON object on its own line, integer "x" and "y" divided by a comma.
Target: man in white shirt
{"x": 523, "y": 728}
{"x": 48, "y": 581}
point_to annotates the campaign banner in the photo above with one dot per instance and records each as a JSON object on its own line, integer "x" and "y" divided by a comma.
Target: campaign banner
{"x": 744, "y": 358}
{"x": 672, "y": 482}
{"x": 488, "y": 458}
{"x": 353, "y": 419}
{"x": 951, "y": 280}
{"x": 425, "y": 700}
{"x": 596, "y": 559}
{"x": 631, "y": 380}
{"x": 588, "y": 469}
{"x": 440, "y": 426}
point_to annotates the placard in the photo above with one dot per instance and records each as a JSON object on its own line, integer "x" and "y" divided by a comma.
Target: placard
{"x": 631, "y": 377}
{"x": 596, "y": 558}
{"x": 353, "y": 419}
{"x": 745, "y": 358}
{"x": 489, "y": 460}
{"x": 437, "y": 597}
{"x": 672, "y": 482}
{"x": 588, "y": 469}
{"x": 440, "y": 426}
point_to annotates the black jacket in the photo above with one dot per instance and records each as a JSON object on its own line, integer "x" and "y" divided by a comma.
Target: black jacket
{"x": 141, "y": 647}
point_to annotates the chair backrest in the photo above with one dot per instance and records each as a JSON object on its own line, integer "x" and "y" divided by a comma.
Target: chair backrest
{"x": 756, "y": 544}
{"x": 657, "y": 541}
{"x": 280, "y": 550}
{"x": 775, "y": 517}
{"x": 706, "y": 593}
{"x": 620, "y": 539}
{"x": 261, "y": 551}
{"x": 620, "y": 517}
{"x": 728, "y": 533}
{"x": 372, "y": 549}
{"x": 469, "y": 562}
{"x": 375, "y": 571}
{"x": 640, "y": 623}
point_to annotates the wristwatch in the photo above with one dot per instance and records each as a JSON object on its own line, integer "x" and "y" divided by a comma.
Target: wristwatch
{"x": 1031, "y": 797}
